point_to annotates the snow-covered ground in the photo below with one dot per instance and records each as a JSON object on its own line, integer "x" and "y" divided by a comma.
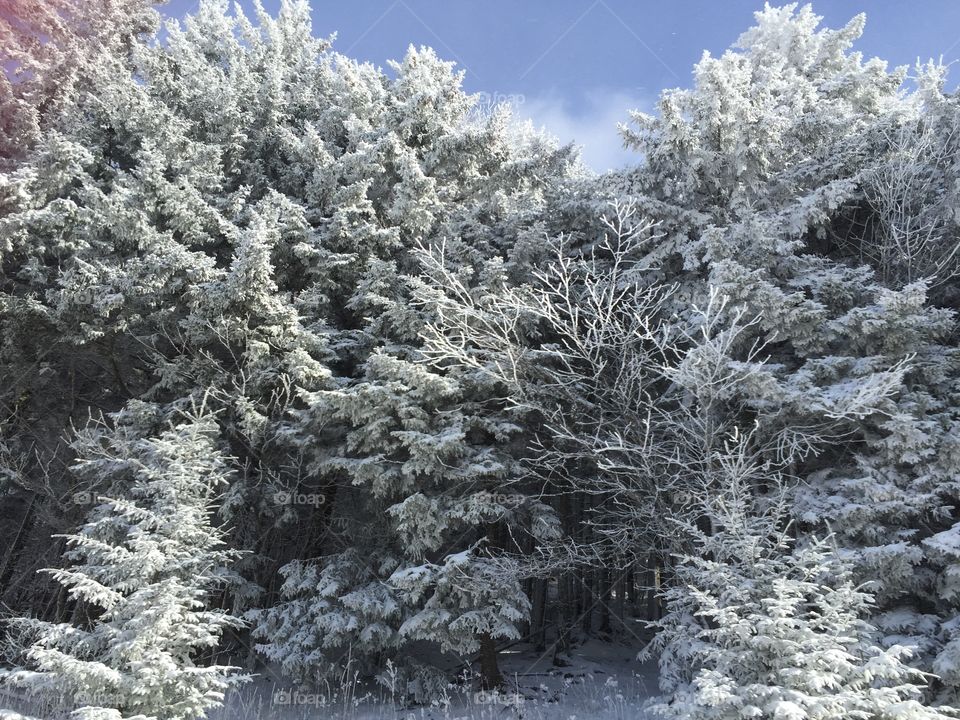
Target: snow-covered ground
{"x": 603, "y": 682}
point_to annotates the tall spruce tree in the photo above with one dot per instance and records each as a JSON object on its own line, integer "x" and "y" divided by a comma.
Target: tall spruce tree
{"x": 763, "y": 173}
{"x": 239, "y": 213}
{"x": 757, "y": 626}
{"x": 141, "y": 571}
{"x": 51, "y": 49}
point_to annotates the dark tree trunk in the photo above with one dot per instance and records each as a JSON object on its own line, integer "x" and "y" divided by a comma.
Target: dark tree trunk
{"x": 490, "y": 677}
{"x": 16, "y": 547}
{"x": 60, "y": 608}
{"x": 586, "y": 601}
{"x": 604, "y": 583}
{"x": 621, "y": 606}
{"x": 564, "y": 608}
{"x": 633, "y": 597}
{"x": 538, "y": 614}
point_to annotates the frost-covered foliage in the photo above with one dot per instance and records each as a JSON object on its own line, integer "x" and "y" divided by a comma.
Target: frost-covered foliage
{"x": 51, "y": 49}
{"x": 765, "y": 117}
{"x": 769, "y": 175}
{"x": 630, "y": 405}
{"x": 912, "y": 188}
{"x": 239, "y": 214}
{"x": 460, "y": 392}
{"x": 141, "y": 570}
{"x": 758, "y": 627}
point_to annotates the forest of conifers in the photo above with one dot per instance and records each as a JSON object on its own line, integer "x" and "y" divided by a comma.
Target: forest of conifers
{"x": 314, "y": 366}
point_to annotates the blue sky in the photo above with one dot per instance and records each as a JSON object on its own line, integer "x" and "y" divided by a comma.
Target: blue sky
{"x": 577, "y": 66}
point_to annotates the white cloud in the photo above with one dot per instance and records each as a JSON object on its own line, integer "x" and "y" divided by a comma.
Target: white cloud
{"x": 590, "y": 121}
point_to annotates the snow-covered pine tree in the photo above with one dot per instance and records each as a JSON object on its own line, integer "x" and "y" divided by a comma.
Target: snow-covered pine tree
{"x": 51, "y": 52}
{"x": 758, "y": 626}
{"x": 762, "y": 175}
{"x": 240, "y": 216}
{"x": 141, "y": 573}
{"x": 435, "y": 521}
{"x": 427, "y": 471}
{"x": 50, "y": 47}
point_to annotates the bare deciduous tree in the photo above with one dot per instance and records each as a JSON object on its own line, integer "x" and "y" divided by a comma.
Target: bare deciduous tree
{"x": 629, "y": 402}
{"x": 914, "y": 235}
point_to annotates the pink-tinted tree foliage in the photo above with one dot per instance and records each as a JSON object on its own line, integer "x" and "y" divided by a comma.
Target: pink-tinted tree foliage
{"x": 47, "y": 47}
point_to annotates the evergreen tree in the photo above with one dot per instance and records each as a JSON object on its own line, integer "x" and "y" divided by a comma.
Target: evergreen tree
{"x": 765, "y": 174}
{"x": 141, "y": 570}
{"x": 52, "y": 48}
{"x": 241, "y": 213}
{"x": 758, "y": 627}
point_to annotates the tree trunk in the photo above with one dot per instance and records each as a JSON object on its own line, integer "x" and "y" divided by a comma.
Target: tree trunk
{"x": 633, "y": 594}
{"x": 604, "y": 588}
{"x": 564, "y": 607}
{"x": 586, "y": 601}
{"x": 490, "y": 677}
{"x": 16, "y": 547}
{"x": 621, "y": 606}
{"x": 60, "y": 611}
{"x": 538, "y": 614}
